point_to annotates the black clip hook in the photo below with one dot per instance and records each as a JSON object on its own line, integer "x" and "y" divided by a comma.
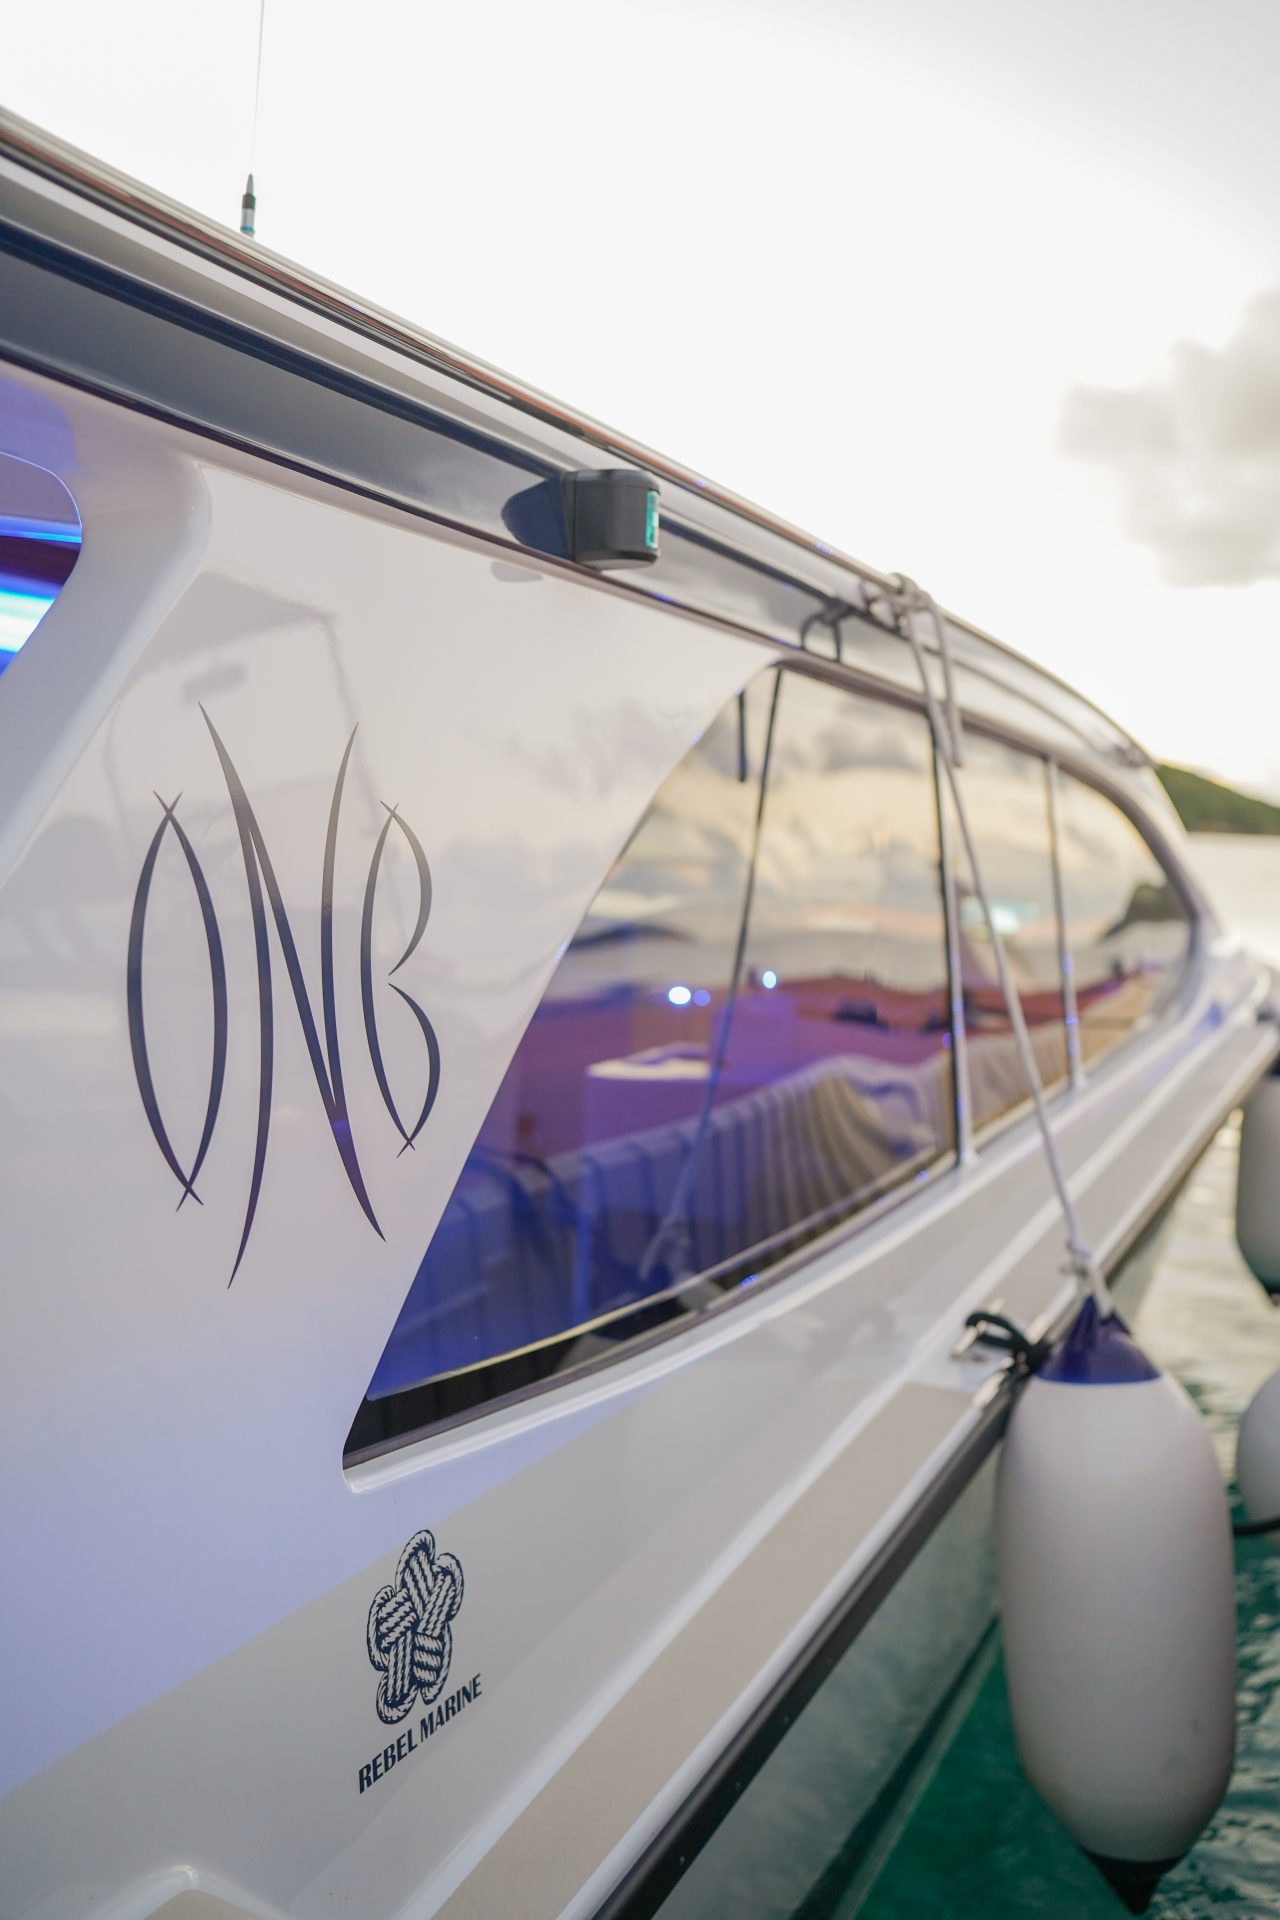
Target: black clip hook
{"x": 994, "y": 1330}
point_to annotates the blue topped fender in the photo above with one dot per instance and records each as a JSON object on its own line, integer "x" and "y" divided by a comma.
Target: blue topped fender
{"x": 1098, "y": 1353}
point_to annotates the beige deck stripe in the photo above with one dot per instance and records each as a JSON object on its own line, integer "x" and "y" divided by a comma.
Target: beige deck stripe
{"x": 543, "y": 1859}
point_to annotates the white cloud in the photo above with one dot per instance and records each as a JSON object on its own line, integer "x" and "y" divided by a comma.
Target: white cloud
{"x": 1195, "y": 451}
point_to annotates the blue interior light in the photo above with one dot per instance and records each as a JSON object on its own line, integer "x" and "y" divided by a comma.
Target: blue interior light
{"x": 20, "y": 614}
{"x": 62, "y": 532}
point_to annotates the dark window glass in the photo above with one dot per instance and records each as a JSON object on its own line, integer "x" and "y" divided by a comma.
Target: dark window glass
{"x": 745, "y": 1042}
{"x": 1127, "y": 930}
{"x": 39, "y": 544}
{"x": 1006, "y": 796}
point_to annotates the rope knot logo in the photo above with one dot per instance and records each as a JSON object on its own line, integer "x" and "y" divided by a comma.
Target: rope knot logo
{"x": 410, "y": 1638}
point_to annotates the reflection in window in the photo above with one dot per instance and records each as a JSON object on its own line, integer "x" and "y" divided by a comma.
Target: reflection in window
{"x": 1128, "y": 931}
{"x": 745, "y": 1042}
{"x": 1007, "y": 798}
{"x": 39, "y": 544}
{"x": 844, "y": 1003}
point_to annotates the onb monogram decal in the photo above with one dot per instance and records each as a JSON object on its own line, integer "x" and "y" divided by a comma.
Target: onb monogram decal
{"x": 266, "y": 907}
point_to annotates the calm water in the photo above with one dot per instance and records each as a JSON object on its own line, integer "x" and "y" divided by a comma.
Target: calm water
{"x": 1241, "y": 872}
{"x": 979, "y": 1843}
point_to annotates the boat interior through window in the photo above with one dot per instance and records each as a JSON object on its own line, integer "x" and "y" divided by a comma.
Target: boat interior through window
{"x": 749, "y": 1041}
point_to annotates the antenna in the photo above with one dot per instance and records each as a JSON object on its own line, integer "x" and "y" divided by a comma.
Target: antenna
{"x": 249, "y": 199}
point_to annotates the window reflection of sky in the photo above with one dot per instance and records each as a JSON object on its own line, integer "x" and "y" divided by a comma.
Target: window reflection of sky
{"x": 1126, "y": 926}
{"x": 1007, "y": 799}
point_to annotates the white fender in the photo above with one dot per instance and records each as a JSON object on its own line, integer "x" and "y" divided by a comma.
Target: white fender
{"x": 1117, "y": 1604}
{"x": 1258, "y": 1454}
{"x": 1258, "y": 1183}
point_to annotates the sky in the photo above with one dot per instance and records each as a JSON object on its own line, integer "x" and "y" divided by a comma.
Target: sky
{"x": 986, "y": 293}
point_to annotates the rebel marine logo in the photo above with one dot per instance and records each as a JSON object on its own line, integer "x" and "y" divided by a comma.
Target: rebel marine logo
{"x": 267, "y": 907}
{"x": 410, "y": 1641}
{"x": 410, "y": 1628}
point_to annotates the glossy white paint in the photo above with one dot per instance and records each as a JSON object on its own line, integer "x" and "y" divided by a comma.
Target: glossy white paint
{"x": 1117, "y": 1612}
{"x": 1258, "y": 1183}
{"x": 310, "y": 634}
{"x": 188, "y": 1569}
{"x": 1258, "y": 1455}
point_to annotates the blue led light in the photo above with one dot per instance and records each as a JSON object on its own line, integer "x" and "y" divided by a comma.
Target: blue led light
{"x": 701, "y": 998}
{"x": 679, "y": 996}
{"x": 769, "y": 978}
{"x": 59, "y": 531}
{"x": 20, "y": 614}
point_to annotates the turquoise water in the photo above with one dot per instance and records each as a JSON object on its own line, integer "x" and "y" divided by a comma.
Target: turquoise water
{"x": 979, "y": 1842}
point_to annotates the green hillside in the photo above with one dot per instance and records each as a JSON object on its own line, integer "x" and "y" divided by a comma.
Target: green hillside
{"x": 1207, "y": 807}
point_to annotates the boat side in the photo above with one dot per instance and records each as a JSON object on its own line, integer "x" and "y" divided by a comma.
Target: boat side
{"x": 312, "y": 782}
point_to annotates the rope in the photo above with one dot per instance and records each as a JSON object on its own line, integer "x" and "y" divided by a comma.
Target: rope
{"x": 410, "y": 1643}
{"x": 996, "y": 1330}
{"x": 910, "y": 600}
{"x": 915, "y": 598}
{"x": 1247, "y": 1529}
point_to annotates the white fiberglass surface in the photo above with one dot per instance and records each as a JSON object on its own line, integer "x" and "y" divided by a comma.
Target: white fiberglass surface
{"x": 223, "y": 1251}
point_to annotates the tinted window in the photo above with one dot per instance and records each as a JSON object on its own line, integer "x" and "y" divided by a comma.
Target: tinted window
{"x": 1007, "y": 799}
{"x": 1128, "y": 931}
{"x": 745, "y": 1042}
{"x": 39, "y": 542}
{"x": 843, "y": 1009}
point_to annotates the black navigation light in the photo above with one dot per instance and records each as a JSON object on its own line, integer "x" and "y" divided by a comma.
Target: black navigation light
{"x": 611, "y": 517}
